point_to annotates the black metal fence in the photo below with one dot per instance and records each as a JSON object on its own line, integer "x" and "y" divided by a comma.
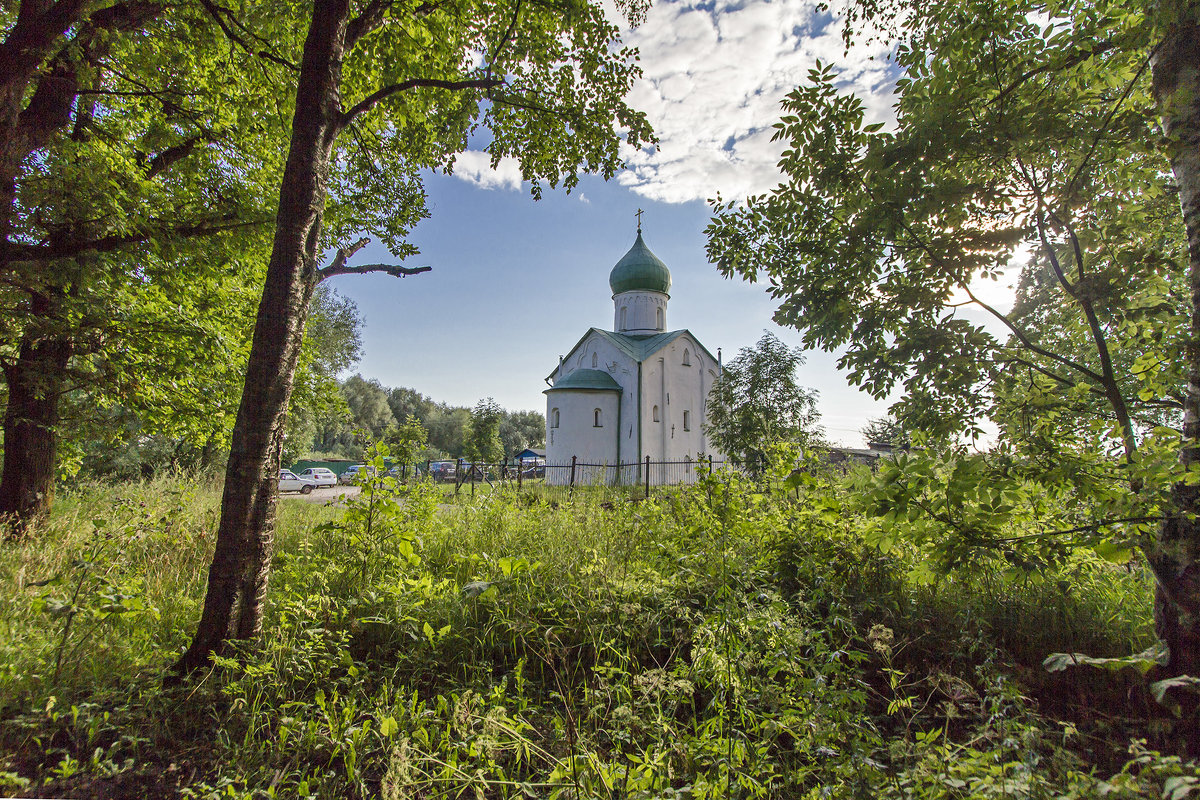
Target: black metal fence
{"x": 637, "y": 479}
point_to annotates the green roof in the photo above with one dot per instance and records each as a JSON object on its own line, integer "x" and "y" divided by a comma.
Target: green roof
{"x": 642, "y": 346}
{"x": 640, "y": 270}
{"x": 638, "y": 347}
{"x": 593, "y": 380}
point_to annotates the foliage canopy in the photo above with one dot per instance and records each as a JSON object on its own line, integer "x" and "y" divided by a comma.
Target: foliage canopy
{"x": 757, "y": 402}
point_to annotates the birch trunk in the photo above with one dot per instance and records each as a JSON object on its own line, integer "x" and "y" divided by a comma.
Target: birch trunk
{"x": 1175, "y": 557}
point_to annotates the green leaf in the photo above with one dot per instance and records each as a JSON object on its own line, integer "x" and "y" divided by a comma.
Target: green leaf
{"x": 388, "y": 727}
{"x": 1154, "y": 656}
{"x": 1111, "y": 551}
{"x": 475, "y": 589}
{"x": 1160, "y": 688}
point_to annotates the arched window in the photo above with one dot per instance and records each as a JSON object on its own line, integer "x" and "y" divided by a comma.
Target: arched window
{"x": 596, "y": 423}
{"x": 655, "y": 417}
{"x": 595, "y": 360}
{"x": 661, "y": 319}
{"x": 623, "y": 326}
{"x": 687, "y": 420}
{"x": 687, "y": 358}
{"x": 554, "y": 418}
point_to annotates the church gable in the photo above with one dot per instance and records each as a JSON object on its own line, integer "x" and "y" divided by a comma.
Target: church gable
{"x": 595, "y": 350}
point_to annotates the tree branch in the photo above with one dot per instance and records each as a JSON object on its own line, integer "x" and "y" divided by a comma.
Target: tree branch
{"x": 164, "y": 160}
{"x": 1078, "y": 58}
{"x": 391, "y": 269}
{"x": 512, "y": 25}
{"x": 1111, "y": 388}
{"x": 370, "y": 19}
{"x": 338, "y": 265}
{"x": 1108, "y": 119}
{"x": 216, "y": 13}
{"x": 1028, "y": 343}
{"x": 67, "y": 248}
{"x": 1033, "y": 365}
{"x": 32, "y": 37}
{"x": 376, "y": 97}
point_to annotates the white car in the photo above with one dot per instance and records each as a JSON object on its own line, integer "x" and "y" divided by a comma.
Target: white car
{"x": 291, "y": 482}
{"x": 320, "y": 476}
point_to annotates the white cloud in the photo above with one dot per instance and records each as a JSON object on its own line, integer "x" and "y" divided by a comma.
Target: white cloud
{"x": 475, "y": 166}
{"x": 714, "y": 76}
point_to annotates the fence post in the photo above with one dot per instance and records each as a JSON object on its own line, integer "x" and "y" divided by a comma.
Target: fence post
{"x": 647, "y": 477}
{"x": 458, "y": 476}
{"x": 710, "y": 464}
{"x": 520, "y": 464}
{"x": 573, "y": 472}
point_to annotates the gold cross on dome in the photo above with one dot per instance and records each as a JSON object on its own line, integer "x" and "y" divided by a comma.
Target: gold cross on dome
{"x": 639, "y": 216}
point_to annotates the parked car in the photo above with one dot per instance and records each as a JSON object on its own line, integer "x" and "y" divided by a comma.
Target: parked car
{"x": 354, "y": 472}
{"x": 291, "y": 482}
{"x": 442, "y": 471}
{"x": 320, "y": 476}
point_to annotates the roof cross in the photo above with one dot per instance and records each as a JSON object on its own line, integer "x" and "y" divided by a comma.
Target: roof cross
{"x": 639, "y": 216}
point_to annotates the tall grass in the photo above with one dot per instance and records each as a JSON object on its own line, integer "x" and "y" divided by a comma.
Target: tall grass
{"x": 720, "y": 640}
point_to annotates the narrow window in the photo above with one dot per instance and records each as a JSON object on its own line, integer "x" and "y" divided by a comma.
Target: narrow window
{"x": 596, "y": 419}
{"x": 554, "y": 418}
{"x": 623, "y": 310}
{"x": 661, "y": 322}
{"x": 595, "y": 360}
{"x": 687, "y": 420}
{"x": 687, "y": 358}
{"x": 656, "y": 419}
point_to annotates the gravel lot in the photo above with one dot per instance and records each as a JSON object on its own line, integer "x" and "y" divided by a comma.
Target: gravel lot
{"x": 325, "y": 494}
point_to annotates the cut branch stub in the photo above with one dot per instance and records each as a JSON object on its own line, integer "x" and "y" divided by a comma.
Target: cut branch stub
{"x": 394, "y": 270}
{"x": 338, "y": 265}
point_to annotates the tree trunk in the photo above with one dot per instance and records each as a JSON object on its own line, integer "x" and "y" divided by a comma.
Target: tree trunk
{"x": 237, "y": 578}
{"x": 1175, "y": 556}
{"x": 35, "y": 384}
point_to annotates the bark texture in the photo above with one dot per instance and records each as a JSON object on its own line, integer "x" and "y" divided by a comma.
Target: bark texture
{"x": 35, "y": 384}
{"x": 237, "y": 578}
{"x": 47, "y": 49}
{"x": 1175, "y": 557}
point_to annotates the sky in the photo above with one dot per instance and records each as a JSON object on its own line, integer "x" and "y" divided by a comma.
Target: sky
{"x": 516, "y": 283}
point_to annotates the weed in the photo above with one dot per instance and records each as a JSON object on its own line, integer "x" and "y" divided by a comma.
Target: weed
{"x": 731, "y": 639}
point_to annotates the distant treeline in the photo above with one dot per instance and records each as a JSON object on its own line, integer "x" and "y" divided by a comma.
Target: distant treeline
{"x": 370, "y": 409}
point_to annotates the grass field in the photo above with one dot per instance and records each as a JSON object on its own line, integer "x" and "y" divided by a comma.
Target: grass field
{"x": 716, "y": 641}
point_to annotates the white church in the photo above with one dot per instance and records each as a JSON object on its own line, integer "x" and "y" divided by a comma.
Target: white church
{"x": 639, "y": 390}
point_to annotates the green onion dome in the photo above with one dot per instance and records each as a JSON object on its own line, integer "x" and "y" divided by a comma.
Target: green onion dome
{"x": 639, "y": 270}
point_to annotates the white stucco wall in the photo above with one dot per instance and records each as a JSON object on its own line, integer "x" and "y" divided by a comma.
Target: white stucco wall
{"x": 640, "y": 312}
{"x": 578, "y": 435}
{"x": 676, "y": 388}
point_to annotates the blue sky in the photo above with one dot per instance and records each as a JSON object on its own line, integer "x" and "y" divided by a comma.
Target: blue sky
{"x": 515, "y": 283}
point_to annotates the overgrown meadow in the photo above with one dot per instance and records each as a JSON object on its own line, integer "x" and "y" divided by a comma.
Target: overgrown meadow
{"x": 738, "y": 638}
